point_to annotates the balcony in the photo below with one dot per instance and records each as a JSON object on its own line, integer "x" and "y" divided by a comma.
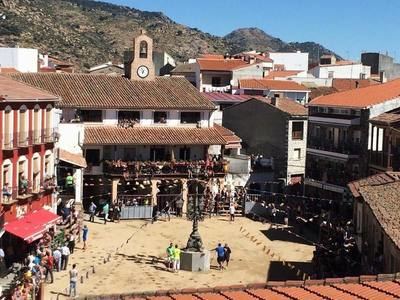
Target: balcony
{"x": 28, "y": 138}
{"x": 15, "y": 194}
{"x": 348, "y": 149}
{"x": 137, "y": 169}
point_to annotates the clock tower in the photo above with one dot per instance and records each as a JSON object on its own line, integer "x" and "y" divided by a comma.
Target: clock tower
{"x": 142, "y": 66}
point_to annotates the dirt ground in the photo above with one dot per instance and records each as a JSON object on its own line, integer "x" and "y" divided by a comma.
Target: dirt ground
{"x": 257, "y": 253}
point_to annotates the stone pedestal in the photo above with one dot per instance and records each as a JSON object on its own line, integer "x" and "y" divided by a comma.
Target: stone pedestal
{"x": 195, "y": 261}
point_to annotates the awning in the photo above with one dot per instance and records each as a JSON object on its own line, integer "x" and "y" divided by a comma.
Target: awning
{"x": 33, "y": 225}
{"x": 72, "y": 158}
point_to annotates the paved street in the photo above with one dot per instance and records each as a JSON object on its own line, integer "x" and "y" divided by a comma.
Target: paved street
{"x": 138, "y": 266}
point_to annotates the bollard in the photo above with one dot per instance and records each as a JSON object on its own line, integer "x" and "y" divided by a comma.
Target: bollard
{"x": 81, "y": 279}
{"x": 104, "y": 260}
{"x": 93, "y": 271}
{"x": 87, "y": 275}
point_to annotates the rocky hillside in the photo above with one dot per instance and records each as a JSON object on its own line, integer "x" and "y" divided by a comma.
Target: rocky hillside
{"x": 88, "y": 32}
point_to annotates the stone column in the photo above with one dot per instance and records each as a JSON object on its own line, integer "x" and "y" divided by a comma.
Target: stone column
{"x": 114, "y": 189}
{"x": 154, "y": 190}
{"x": 184, "y": 195}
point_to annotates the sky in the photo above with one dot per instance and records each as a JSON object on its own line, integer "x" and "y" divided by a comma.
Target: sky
{"x": 347, "y": 27}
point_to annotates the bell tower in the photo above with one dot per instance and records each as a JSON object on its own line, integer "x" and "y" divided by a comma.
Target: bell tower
{"x": 142, "y": 66}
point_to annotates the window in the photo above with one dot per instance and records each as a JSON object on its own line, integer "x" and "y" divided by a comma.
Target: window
{"x": 184, "y": 153}
{"x": 191, "y": 117}
{"x": 362, "y": 76}
{"x": 297, "y": 154}
{"x": 95, "y": 116}
{"x": 216, "y": 81}
{"x": 23, "y": 126}
{"x": 143, "y": 49}
{"x": 36, "y": 174}
{"x": 127, "y": 119}
{"x": 93, "y": 157}
{"x": 7, "y": 128}
{"x": 297, "y": 130}
{"x": 160, "y": 117}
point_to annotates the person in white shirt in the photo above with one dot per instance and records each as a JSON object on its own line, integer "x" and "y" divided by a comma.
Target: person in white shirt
{"x": 73, "y": 279}
{"x": 57, "y": 259}
{"x": 232, "y": 211}
{"x": 64, "y": 256}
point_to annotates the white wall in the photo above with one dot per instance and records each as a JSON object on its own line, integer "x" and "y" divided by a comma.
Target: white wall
{"x": 71, "y": 136}
{"x": 252, "y": 71}
{"x": 22, "y": 59}
{"x": 292, "y": 60}
{"x": 353, "y": 71}
{"x": 301, "y": 97}
{"x": 295, "y": 165}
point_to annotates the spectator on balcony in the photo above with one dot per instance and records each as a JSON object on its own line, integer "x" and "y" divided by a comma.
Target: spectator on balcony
{"x": 23, "y": 185}
{"x": 69, "y": 183}
{"x": 6, "y": 191}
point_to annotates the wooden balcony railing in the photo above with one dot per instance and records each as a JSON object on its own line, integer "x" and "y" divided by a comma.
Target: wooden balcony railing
{"x": 23, "y": 139}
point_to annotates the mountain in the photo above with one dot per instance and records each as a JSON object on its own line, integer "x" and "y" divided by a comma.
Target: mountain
{"x": 88, "y": 32}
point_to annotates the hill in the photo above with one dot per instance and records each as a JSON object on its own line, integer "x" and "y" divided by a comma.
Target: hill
{"x": 88, "y": 32}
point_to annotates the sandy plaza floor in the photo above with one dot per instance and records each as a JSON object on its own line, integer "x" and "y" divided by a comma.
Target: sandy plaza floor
{"x": 257, "y": 253}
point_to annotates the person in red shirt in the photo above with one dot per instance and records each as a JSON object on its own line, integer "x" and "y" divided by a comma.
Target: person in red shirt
{"x": 49, "y": 266}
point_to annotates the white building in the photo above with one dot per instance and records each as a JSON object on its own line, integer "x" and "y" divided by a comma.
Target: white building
{"x": 343, "y": 70}
{"x": 22, "y": 59}
{"x": 294, "y": 61}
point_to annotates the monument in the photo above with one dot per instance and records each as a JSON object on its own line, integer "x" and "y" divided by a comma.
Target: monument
{"x": 194, "y": 257}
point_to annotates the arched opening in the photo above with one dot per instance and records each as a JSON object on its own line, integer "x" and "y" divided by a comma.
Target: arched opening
{"x": 7, "y": 169}
{"x": 36, "y": 125}
{"x": 48, "y": 162}
{"x": 23, "y": 126}
{"x": 143, "y": 49}
{"x": 48, "y": 127}
{"x": 8, "y": 134}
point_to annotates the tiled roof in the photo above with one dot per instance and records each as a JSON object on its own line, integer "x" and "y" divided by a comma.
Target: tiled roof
{"x": 336, "y": 289}
{"x": 263, "y": 58}
{"x": 12, "y": 90}
{"x": 103, "y": 91}
{"x": 349, "y": 84}
{"x": 72, "y": 158}
{"x": 380, "y": 192}
{"x": 7, "y": 70}
{"x": 320, "y": 91}
{"x": 267, "y": 84}
{"x": 232, "y": 140}
{"x": 288, "y": 106}
{"x": 280, "y": 74}
{"x": 185, "y": 68}
{"x": 362, "y": 97}
{"x": 386, "y": 119}
{"x": 220, "y": 64}
{"x": 221, "y": 97}
{"x": 155, "y": 135}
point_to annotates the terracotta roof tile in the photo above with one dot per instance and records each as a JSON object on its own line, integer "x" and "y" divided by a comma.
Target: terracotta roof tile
{"x": 239, "y": 295}
{"x": 210, "y": 296}
{"x": 297, "y": 293}
{"x": 12, "y": 90}
{"x": 163, "y": 135}
{"x": 8, "y": 70}
{"x": 185, "y": 68}
{"x": 72, "y": 158}
{"x": 228, "y": 135}
{"x": 184, "y": 297}
{"x": 220, "y": 64}
{"x": 363, "y": 291}
{"x": 228, "y": 97}
{"x": 268, "y": 294}
{"x": 103, "y": 91}
{"x": 159, "y": 298}
{"x": 280, "y": 74}
{"x": 349, "y": 84}
{"x": 329, "y": 292}
{"x": 362, "y": 97}
{"x": 390, "y": 287}
{"x": 267, "y": 84}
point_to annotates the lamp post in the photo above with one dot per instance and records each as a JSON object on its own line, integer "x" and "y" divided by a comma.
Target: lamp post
{"x": 195, "y": 214}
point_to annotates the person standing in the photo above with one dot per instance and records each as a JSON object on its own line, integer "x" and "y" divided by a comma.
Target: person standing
{"x": 57, "y": 259}
{"x": 167, "y": 210}
{"x": 69, "y": 183}
{"x": 179, "y": 207}
{"x": 106, "y": 209}
{"x": 85, "y": 232}
{"x": 73, "y": 280}
{"x": 92, "y": 211}
{"x": 232, "y": 211}
{"x": 220, "y": 255}
{"x": 170, "y": 256}
{"x": 64, "y": 256}
{"x": 71, "y": 242}
{"x": 228, "y": 252}
{"x": 177, "y": 258}
{"x": 49, "y": 266}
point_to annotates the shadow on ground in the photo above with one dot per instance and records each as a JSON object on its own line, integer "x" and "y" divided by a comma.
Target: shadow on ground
{"x": 293, "y": 270}
{"x": 284, "y": 234}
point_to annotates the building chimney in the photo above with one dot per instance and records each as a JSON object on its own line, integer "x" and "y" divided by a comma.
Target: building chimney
{"x": 275, "y": 101}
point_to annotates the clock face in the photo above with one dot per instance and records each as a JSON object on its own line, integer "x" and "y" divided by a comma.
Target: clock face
{"x": 143, "y": 71}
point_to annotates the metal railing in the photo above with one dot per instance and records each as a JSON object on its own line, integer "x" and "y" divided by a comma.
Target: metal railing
{"x": 28, "y": 138}
{"x": 17, "y": 193}
{"x": 344, "y": 146}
